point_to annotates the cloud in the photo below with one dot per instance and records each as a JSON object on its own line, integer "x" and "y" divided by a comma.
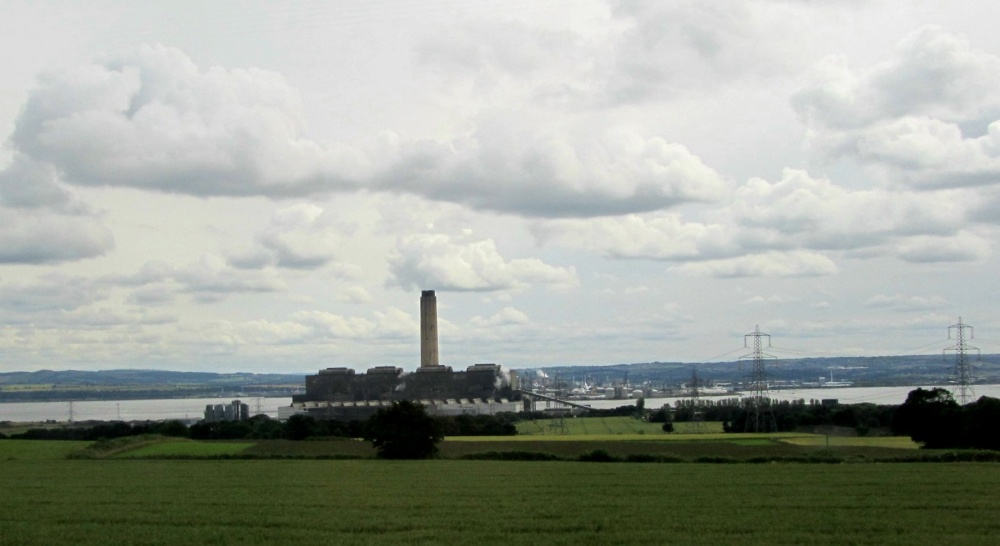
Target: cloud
{"x": 438, "y": 261}
{"x": 43, "y": 237}
{"x": 777, "y": 299}
{"x": 964, "y": 247}
{"x": 668, "y": 48}
{"x": 899, "y": 302}
{"x": 667, "y": 237}
{"x": 103, "y": 317}
{"x": 926, "y": 118}
{"x": 932, "y": 73}
{"x": 769, "y": 264}
{"x": 27, "y": 184}
{"x": 799, "y": 216}
{"x": 297, "y": 237}
{"x": 151, "y": 119}
{"x": 211, "y": 279}
{"x": 507, "y": 167}
{"x": 395, "y": 324}
{"x": 208, "y": 280}
{"x": 355, "y": 294}
{"x": 929, "y": 153}
{"x": 50, "y": 293}
{"x": 485, "y": 60}
{"x": 505, "y": 317}
{"x": 639, "y": 52}
{"x": 41, "y": 222}
{"x": 251, "y": 333}
{"x": 335, "y": 326}
{"x": 800, "y": 211}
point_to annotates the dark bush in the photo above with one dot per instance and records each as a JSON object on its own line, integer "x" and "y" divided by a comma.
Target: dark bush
{"x": 599, "y": 456}
{"x": 403, "y": 431}
{"x": 511, "y": 456}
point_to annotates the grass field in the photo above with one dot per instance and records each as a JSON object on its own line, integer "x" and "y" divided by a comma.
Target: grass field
{"x": 185, "y": 448}
{"x": 142, "y": 502}
{"x": 37, "y": 450}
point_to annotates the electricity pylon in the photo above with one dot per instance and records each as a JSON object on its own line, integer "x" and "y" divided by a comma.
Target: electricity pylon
{"x": 963, "y": 367}
{"x": 697, "y": 415}
{"x": 759, "y": 415}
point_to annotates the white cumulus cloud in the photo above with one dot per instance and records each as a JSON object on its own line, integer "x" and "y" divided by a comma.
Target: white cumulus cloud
{"x": 440, "y": 262}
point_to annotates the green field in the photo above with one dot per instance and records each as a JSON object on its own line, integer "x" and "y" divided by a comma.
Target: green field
{"x": 145, "y": 502}
{"x": 134, "y": 498}
{"x": 185, "y": 448}
{"x": 36, "y": 450}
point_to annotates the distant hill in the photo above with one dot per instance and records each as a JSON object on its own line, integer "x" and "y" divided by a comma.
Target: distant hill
{"x": 51, "y": 385}
{"x": 862, "y": 371}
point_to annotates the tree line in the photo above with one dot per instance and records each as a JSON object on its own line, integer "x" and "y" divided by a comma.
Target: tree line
{"x": 262, "y": 427}
{"x": 931, "y": 418}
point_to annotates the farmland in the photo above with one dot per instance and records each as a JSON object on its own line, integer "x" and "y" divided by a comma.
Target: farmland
{"x": 468, "y": 502}
{"x": 145, "y": 490}
{"x": 608, "y": 426}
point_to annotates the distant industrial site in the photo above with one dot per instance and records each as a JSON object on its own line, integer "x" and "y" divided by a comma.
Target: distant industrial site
{"x": 342, "y": 393}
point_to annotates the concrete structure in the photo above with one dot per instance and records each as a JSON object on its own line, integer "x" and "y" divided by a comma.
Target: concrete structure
{"x": 363, "y": 409}
{"x": 233, "y": 411}
{"x": 482, "y": 386}
{"x": 428, "y": 330}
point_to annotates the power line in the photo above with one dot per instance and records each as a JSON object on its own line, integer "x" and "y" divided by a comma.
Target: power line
{"x": 715, "y": 358}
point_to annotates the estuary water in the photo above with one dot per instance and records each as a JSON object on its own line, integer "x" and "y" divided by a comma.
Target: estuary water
{"x": 193, "y": 409}
{"x": 845, "y": 395}
{"x": 185, "y": 409}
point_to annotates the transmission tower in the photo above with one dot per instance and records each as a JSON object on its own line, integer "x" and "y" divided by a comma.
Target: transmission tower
{"x": 697, "y": 415}
{"x": 963, "y": 367}
{"x": 759, "y": 418}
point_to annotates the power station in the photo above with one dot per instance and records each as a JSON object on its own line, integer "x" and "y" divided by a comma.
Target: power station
{"x": 341, "y": 393}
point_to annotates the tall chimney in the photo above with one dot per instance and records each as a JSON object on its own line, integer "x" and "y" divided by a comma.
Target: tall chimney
{"x": 428, "y": 329}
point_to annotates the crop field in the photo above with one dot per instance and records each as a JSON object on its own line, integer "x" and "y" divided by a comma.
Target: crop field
{"x": 731, "y": 447}
{"x": 150, "y": 502}
{"x": 900, "y": 442}
{"x": 609, "y": 426}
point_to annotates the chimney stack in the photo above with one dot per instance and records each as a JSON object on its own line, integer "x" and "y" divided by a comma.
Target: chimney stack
{"x": 428, "y": 329}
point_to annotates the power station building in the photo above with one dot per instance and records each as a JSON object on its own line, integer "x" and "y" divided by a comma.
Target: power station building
{"x": 341, "y": 393}
{"x": 234, "y": 411}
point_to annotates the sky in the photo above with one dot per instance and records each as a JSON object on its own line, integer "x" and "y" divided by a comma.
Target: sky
{"x": 268, "y": 186}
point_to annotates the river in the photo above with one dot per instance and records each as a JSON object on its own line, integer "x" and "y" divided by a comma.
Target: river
{"x": 187, "y": 409}
{"x": 845, "y": 395}
{"x": 192, "y": 409}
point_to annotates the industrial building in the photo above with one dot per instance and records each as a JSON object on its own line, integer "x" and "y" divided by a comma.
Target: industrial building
{"x": 233, "y": 411}
{"x": 341, "y": 393}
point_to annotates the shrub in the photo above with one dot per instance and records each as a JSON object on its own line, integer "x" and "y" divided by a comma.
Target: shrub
{"x": 403, "y": 431}
{"x": 599, "y": 456}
